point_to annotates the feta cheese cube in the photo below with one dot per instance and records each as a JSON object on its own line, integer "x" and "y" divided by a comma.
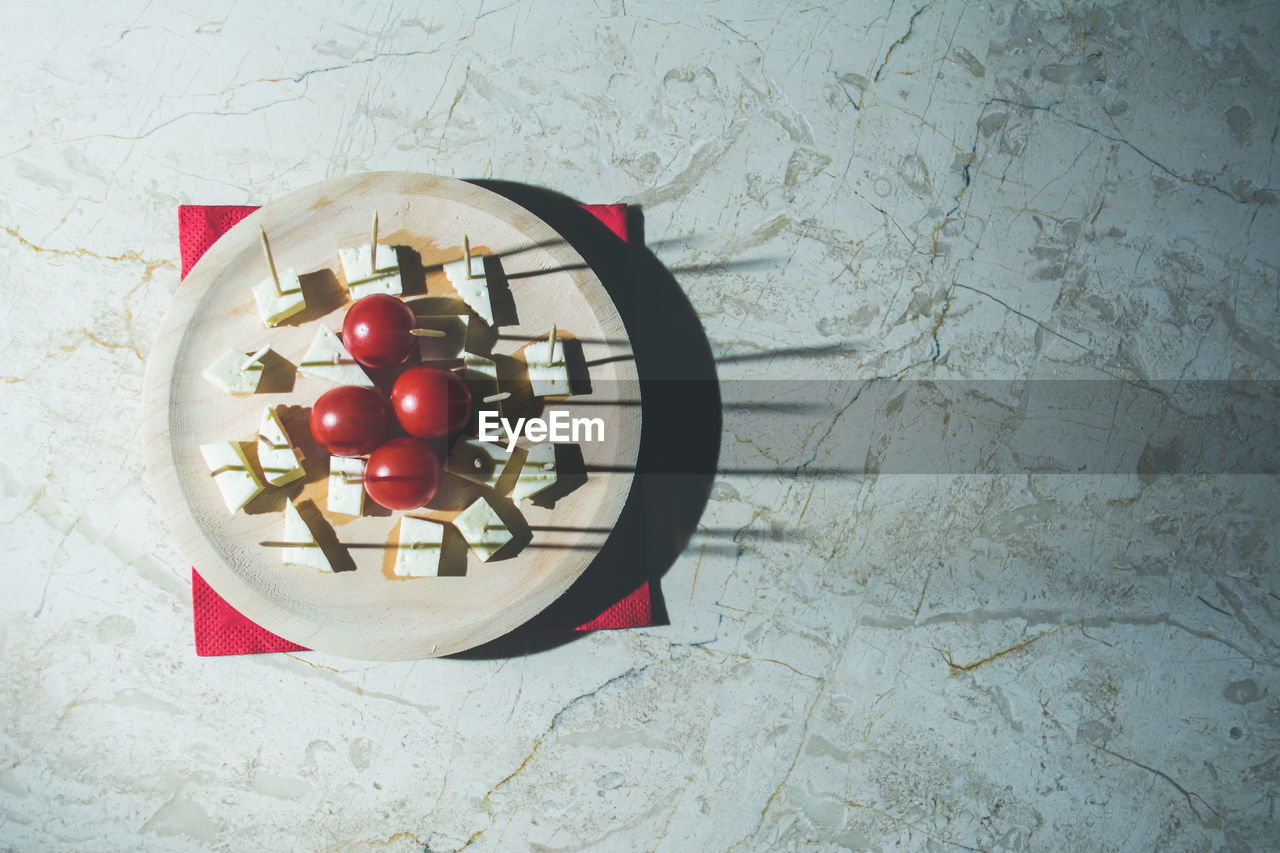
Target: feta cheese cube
{"x": 231, "y": 471}
{"x": 482, "y": 378}
{"x": 277, "y": 304}
{"x": 474, "y": 290}
{"x": 477, "y": 461}
{"x": 419, "y": 548}
{"x": 483, "y": 529}
{"x": 302, "y": 548}
{"x": 230, "y": 374}
{"x": 537, "y": 474}
{"x": 548, "y": 372}
{"x": 346, "y": 485}
{"x": 329, "y": 360}
{"x": 362, "y": 280}
{"x": 280, "y": 460}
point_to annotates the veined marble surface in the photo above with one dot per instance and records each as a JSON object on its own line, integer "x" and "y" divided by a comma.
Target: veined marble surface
{"x": 1010, "y": 660}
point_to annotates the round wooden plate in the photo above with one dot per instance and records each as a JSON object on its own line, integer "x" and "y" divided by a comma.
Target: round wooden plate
{"x": 365, "y": 611}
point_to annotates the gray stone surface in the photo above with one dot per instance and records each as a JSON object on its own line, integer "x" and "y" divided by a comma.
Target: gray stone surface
{"x": 950, "y": 192}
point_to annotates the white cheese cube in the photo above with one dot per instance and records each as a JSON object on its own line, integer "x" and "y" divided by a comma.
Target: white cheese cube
{"x": 275, "y": 305}
{"x": 231, "y": 471}
{"x": 537, "y": 474}
{"x": 548, "y": 372}
{"x": 477, "y": 461}
{"x": 329, "y": 360}
{"x": 474, "y": 290}
{"x": 280, "y": 460}
{"x": 483, "y": 529}
{"x": 346, "y": 485}
{"x": 419, "y": 548}
{"x": 482, "y": 378}
{"x": 480, "y": 368}
{"x": 230, "y": 374}
{"x": 362, "y": 280}
{"x": 302, "y": 548}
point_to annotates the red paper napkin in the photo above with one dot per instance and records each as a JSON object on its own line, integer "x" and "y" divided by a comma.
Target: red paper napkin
{"x": 222, "y": 630}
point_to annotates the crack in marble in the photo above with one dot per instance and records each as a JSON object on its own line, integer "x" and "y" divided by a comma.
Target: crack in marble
{"x": 739, "y": 656}
{"x": 702, "y": 762}
{"x": 1044, "y": 186}
{"x": 299, "y": 78}
{"x": 1024, "y": 316}
{"x": 311, "y": 664}
{"x": 166, "y": 123}
{"x": 540, "y": 739}
{"x": 1201, "y": 599}
{"x": 333, "y": 676}
{"x": 79, "y": 252}
{"x": 392, "y": 839}
{"x": 1017, "y": 647}
{"x": 111, "y": 344}
{"x": 903, "y": 40}
{"x": 1237, "y": 605}
{"x": 1120, "y": 140}
{"x": 786, "y": 776}
{"x": 1061, "y": 619}
{"x": 1166, "y": 777}
{"x": 457, "y": 99}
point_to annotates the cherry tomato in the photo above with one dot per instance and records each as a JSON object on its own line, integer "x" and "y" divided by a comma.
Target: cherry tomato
{"x": 430, "y": 402}
{"x": 350, "y": 420}
{"x": 403, "y": 473}
{"x": 376, "y": 331}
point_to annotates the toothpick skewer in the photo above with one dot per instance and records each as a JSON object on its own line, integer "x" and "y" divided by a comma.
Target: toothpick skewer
{"x": 501, "y": 395}
{"x": 271, "y": 263}
{"x": 551, "y": 351}
{"x": 253, "y": 359}
{"x": 466, "y": 255}
{"x": 429, "y": 333}
{"x": 373, "y": 246}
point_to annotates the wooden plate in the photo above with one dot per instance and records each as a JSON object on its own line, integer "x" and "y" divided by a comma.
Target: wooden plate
{"x": 367, "y": 612}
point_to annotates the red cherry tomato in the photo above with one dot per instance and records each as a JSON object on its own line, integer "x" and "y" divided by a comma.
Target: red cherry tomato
{"x": 403, "y": 473}
{"x": 430, "y": 402}
{"x": 376, "y": 331}
{"x": 350, "y": 420}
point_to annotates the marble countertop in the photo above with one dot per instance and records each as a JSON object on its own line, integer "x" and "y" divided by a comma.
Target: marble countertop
{"x": 866, "y": 651}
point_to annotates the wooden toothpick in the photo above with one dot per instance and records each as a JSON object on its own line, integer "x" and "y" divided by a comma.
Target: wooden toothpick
{"x": 271, "y": 263}
{"x": 373, "y": 246}
{"x": 253, "y": 359}
{"x": 551, "y": 351}
{"x": 501, "y": 395}
{"x": 466, "y": 254}
{"x": 429, "y": 333}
